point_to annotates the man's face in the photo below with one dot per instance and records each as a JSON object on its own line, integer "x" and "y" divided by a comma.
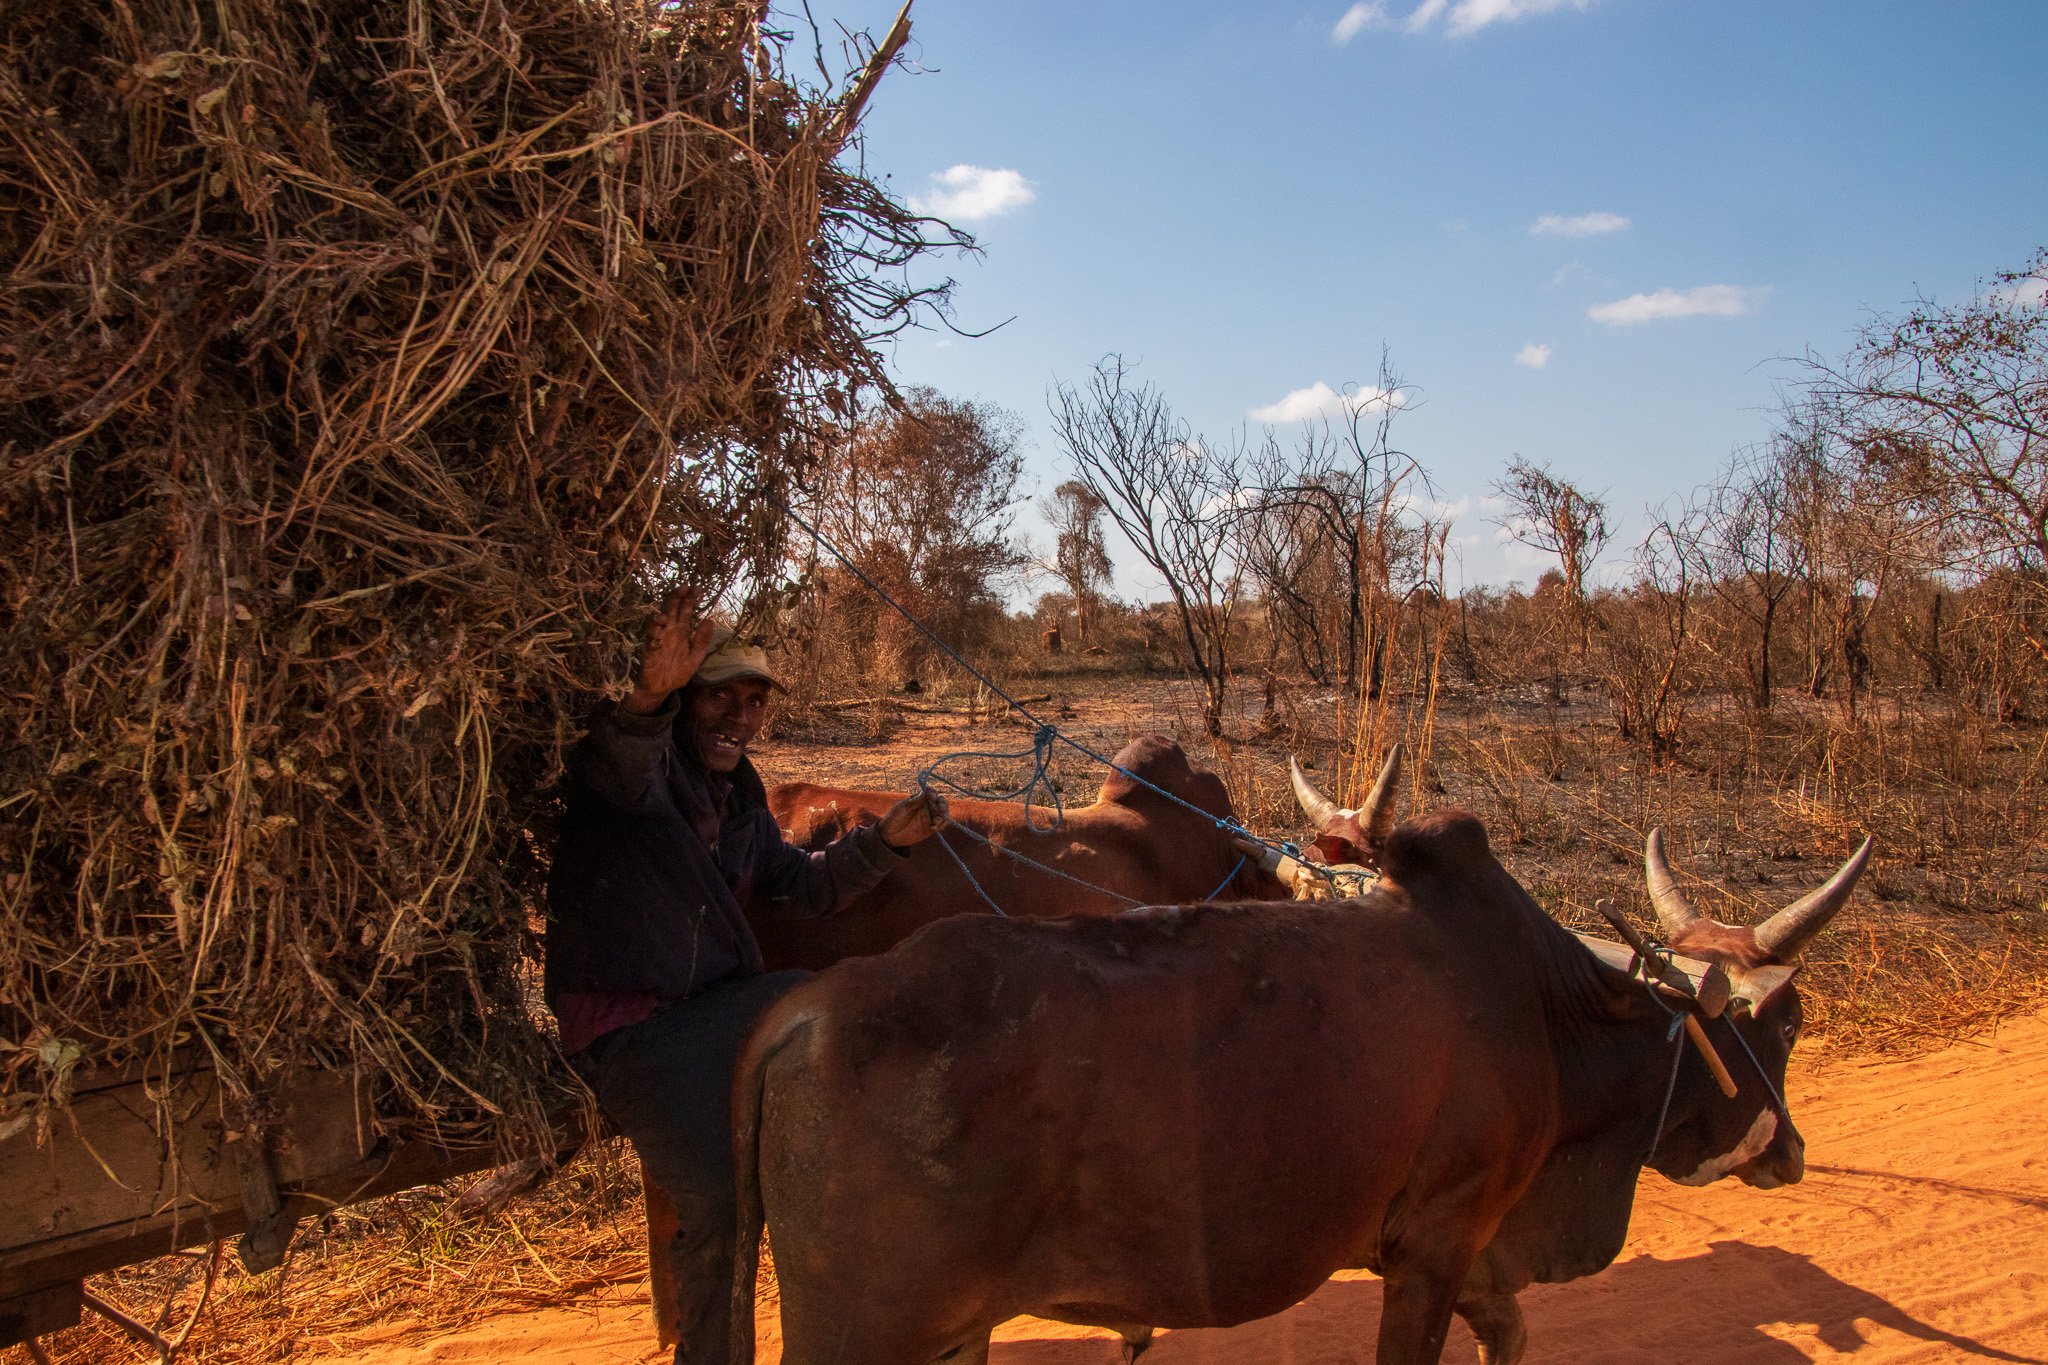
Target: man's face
{"x": 720, "y": 722}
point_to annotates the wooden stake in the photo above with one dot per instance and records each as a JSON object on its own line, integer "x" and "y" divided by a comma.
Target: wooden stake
{"x": 1708, "y": 1055}
{"x": 849, "y": 112}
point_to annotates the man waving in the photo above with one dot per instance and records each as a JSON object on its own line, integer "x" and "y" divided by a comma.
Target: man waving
{"x": 652, "y": 970}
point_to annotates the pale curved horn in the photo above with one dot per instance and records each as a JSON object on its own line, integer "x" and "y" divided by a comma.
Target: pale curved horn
{"x": 1377, "y": 819}
{"x": 1673, "y": 914}
{"x": 1785, "y": 935}
{"x": 1319, "y": 809}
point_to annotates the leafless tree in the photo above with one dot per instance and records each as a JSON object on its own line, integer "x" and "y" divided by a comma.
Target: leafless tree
{"x": 1332, "y": 537}
{"x": 1645, "y": 657}
{"x": 1172, "y": 496}
{"x": 1946, "y": 412}
{"x": 1752, "y": 553}
{"x": 1551, "y": 514}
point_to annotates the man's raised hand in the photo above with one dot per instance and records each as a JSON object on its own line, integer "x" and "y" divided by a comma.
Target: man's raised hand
{"x": 676, "y": 645}
{"x": 913, "y": 819}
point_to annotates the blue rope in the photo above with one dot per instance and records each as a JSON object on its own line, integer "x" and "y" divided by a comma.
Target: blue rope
{"x": 1228, "y": 878}
{"x": 1229, "y": 827}
{"x": 1040, "y": 754}
{"x": 1676, "y": 1038}
{"x": 965, "y": 871}
{"x": 1026, "y": 859}
{"x": 1784, "y": 1110}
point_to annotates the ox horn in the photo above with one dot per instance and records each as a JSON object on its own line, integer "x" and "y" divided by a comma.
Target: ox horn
{"x": 1377, "y": 819}
{"x": 1319, "y": 809}
{"x": 1785, "y": 935}
{"x": 1673, "y": 914}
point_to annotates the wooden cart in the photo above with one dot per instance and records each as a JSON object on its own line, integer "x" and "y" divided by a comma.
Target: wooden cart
{"x": 137, "y": 1168}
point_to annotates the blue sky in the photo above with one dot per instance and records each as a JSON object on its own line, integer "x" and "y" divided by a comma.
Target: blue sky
{"x": 1247, "y": 200}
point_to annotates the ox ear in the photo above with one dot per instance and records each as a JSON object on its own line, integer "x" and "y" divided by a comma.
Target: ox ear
{"x": 1754, "y": 986}
{"x": 1342, "y": 841}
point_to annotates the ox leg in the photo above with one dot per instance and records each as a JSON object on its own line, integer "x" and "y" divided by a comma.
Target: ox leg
{"x": 1415, "y": 1319}
{"x": 1496, "y": 1319}
{"x": 1136, "y": 1339}
{"x": 1424, "y": 1279}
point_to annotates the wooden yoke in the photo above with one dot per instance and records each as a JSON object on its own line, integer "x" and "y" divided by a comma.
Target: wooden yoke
{"x": 1696, "y": 986}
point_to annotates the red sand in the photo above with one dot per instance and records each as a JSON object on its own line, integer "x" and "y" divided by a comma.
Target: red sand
{"x": 1919, "y": 1234}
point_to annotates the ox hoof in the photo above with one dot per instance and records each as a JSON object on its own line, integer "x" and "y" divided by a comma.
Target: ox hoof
{"x": 1136, "y": 1339}
{"x": 1496, "y": 1320}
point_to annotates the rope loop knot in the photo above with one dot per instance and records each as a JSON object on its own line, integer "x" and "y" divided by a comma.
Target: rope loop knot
{"x": 1037, "y": 791}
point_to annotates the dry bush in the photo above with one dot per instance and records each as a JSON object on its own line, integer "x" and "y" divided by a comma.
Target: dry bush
{"x": 355, "y": 360}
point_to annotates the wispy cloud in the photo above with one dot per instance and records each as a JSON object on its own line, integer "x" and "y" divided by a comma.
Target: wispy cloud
{"x": 1320, "y": 400}
{"x": 1425, "y": 14}
{"x": 1585, "y": 225}
{"x": 2029, "y": 292}
{"x": 1364, "y": 15}
{"x": 1469, "y": 16}
{"x": 1708, "y": 300}
{"x": 1535, "y": 355}
{"x": 969, "y": 192}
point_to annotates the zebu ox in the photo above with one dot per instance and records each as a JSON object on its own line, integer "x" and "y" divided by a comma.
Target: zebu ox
{"x": 1132, "y": 842}
{"x": 1191, "y": 1117}
{"x": 1343, "y": 858}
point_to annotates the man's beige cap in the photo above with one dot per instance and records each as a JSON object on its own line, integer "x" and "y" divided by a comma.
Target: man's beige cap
{"x": 730, "y": 661}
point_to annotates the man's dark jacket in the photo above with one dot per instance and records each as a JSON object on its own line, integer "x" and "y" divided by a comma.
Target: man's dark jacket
{"x": 656, "y": 857}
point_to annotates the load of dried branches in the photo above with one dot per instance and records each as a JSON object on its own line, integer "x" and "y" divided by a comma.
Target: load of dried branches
{"x": 363, "y": 364}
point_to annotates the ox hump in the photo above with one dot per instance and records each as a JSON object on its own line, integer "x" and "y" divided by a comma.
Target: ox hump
{"x": 1154, "y": 758}
{"x": 1441, "y": 843}
{"x": 1157, "y": 761}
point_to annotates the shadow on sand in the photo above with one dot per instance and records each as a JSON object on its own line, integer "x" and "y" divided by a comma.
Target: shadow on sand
{"x": 1714, "y": 1307}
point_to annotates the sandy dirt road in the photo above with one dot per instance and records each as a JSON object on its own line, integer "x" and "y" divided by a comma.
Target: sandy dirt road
{"x": 1919, "y": 1234}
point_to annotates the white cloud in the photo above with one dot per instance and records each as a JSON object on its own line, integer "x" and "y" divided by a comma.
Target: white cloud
{"x": 1534, "y": 355}
{"x": 1361, "y": 16}
{"x": 1425, "y": 14}
{"x": 1708, "y": 300}
{"x": 1320, "y": 400}
{"x": 1585, "y": 225}
{"x": 2031, "y": 292}
{"x": 969, "y": 192}
{"x": 1234, "y": 501}
{"x": 1431, "y": 507}
{"x": 1469, "y": 16}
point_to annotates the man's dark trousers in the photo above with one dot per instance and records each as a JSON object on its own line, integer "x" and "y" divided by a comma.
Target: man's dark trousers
{"x": 666, "y": 1082}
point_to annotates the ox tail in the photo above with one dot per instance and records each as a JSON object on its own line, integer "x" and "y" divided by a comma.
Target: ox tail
{"x": 749, "y": 1085}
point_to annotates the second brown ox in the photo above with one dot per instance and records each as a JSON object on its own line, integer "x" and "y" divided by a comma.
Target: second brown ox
{"x": 1133, "y": 843}
{"x": 1191, "y": 1117}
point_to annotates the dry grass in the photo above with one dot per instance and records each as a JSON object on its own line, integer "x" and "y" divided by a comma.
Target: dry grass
{"x": 346, "y": 355}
